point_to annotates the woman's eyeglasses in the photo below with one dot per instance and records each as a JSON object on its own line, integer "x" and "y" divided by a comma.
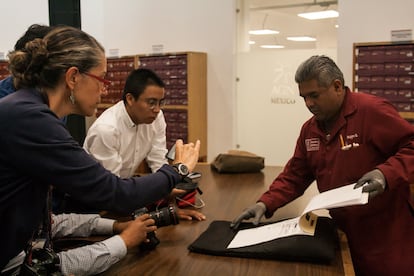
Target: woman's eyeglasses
{"x": 105, "y": 82}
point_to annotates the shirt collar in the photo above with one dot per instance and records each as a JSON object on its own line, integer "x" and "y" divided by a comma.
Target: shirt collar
{"x": 125, "y": 116}
{"x": 349, "y": 105}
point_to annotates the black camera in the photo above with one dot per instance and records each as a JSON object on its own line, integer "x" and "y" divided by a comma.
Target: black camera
{"x": 44, "y": 262}
{"x": 162, "y": 217}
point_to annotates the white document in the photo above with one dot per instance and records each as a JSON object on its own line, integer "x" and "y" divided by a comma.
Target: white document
{"x": 339, "y": 197}
{"x": 267, "y": 233}
{"x": 304, "y": 224}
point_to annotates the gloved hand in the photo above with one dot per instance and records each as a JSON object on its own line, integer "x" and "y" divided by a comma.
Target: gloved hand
{"x": 373, "y": 182}
{"x": 257, "y": 211}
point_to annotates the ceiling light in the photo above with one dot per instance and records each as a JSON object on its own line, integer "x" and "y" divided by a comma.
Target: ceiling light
{"x": 319, "y": 15}
{"x": 301, "y": 38}
{"x": 251, "y": 42}
{"x": 263, "y": 32}
{"x": 272, "y": 46}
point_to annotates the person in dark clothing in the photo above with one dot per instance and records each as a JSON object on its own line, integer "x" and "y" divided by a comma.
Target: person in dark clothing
{"x": 62, "y": 74}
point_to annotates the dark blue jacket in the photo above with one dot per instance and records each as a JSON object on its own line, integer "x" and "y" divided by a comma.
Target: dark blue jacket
{"x": 6, "y": 86}
{"x": 36, "y": 151}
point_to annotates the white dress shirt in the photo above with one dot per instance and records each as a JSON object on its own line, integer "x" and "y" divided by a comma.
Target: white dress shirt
{"x": 90, "y": 259}
{"x": 120, "y": 145}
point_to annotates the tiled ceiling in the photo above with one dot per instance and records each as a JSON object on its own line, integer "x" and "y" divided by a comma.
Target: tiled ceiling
{"x": 281, "y": 15}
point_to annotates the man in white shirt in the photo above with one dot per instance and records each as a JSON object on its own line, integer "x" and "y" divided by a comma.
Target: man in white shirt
{"x": 93, "y": 258}
{"x": 134, "y": 130}
{"x": 98, "y": 257}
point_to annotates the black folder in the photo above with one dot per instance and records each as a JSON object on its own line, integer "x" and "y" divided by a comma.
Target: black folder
{"x": 320, "y": 248}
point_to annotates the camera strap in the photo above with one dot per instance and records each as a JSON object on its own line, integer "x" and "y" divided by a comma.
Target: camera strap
{"x": 190, "y": 199}
{"x": 42, "y": 237}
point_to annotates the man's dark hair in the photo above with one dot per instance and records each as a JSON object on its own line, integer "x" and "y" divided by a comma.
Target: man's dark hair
{"x": 138, "y": 80}
{"x": 33, "y": 32}
{"x": 320, "y": 68}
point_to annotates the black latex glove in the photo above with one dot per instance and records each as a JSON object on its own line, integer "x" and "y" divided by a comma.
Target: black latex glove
{"x": 257, "y": 211}
{"x": 373, "y": 182}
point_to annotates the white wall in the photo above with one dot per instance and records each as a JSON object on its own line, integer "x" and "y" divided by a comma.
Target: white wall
{"x": 16, "y": 16}
{"x": 270, "y": 111}
{"x": 369, "y": 21}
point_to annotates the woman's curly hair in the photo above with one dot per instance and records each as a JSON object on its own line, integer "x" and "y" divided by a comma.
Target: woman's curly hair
{"x": 42, "y": 62}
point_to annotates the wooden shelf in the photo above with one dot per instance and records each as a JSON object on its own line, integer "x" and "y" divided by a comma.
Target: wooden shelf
{"x": 175, "y": 107}
{"x": 407, "y": 115}
{"x": 386, "y": 69}
{"x": 185, "y": 77}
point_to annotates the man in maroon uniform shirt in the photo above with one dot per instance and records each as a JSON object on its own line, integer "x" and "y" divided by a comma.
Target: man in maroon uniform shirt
{"x": 352, "y": 137}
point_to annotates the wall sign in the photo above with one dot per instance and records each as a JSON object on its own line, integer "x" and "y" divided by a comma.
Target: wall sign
{"x": 401, "y": 35}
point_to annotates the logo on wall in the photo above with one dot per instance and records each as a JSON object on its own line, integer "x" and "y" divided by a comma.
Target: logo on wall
{"x": 283, "y": 91}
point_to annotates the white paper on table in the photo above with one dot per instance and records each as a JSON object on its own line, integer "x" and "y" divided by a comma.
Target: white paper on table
{"x": 304, "y": 224}
{"x": 267, "y": 233}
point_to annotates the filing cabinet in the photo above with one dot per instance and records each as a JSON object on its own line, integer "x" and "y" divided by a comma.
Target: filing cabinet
{"x": 387, "y": 70}
{"x": 185, "y": 78}
{"x": 117, "y": 72}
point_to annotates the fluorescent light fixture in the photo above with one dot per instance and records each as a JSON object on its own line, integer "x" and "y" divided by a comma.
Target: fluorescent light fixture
{"x": 300, "y": 38}
{"x": 263, "y": 32}
{"x": 319, "y": 15}
{"x": 273, "y": 46}
{"x": 251, "y": 42}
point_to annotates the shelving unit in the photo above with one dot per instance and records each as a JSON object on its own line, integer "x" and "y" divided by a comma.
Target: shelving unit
{"x": 185, "y": 77}
{"x": 117, "y": 72}
{"x": 387, "y": 70}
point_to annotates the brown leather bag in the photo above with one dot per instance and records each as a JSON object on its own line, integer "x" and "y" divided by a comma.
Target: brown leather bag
{"x": 236, "y": 161}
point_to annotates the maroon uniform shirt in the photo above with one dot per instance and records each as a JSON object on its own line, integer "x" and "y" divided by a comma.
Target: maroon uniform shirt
{"x": 380, "y": 233}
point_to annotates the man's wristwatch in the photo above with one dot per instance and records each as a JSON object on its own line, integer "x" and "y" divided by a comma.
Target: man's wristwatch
{"x": 181, "y": 169}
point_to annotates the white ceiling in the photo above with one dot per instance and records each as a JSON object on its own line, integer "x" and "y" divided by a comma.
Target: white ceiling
{"x": 281, "y": 15}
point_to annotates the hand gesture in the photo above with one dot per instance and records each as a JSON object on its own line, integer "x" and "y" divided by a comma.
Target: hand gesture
{"x": 257, "y": 211}
{"x": 373, "y": 182}
{"x": 187, "y": 153}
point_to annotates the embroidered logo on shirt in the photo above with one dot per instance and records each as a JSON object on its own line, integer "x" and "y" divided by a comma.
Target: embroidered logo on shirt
{"x": 312, "y": 144}
{"x": 352, "y": 136}
{"x": 345, "y": 145}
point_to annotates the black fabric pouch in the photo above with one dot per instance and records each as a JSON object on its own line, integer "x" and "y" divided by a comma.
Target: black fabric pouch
{"x": 320, "y": 248}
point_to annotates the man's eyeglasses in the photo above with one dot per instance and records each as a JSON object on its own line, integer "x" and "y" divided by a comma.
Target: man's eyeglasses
{"x": 152, "y": 103}
{"x": 104, "y": 81}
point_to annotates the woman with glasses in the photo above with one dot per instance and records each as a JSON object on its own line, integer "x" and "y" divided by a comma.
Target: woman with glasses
{"x": 63, "y": 74}
{"x": 134, "y": 130}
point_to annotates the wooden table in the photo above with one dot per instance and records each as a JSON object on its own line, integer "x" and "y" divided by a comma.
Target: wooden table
{"x": 225, "y": 196}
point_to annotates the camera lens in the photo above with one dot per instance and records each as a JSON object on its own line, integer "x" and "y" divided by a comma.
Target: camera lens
{"x": 165, "y": 216}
